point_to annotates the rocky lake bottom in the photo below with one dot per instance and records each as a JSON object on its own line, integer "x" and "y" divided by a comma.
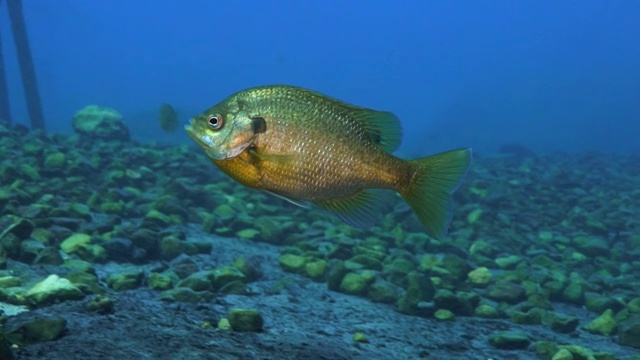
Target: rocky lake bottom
{"x": 115, "y": 249}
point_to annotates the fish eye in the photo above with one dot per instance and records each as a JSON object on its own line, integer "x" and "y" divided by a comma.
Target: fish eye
{"x": 215, "y": 122}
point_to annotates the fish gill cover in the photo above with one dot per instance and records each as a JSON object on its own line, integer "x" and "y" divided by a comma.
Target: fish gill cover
{"x": 121, "y": 240}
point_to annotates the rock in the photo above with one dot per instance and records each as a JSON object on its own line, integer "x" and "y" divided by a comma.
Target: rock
{"x": 574, "y": 294}
{"x": 474, "y": 216}
{"x": 633, "y": 306}
{"x": 510, "y": 340}
{"x": 198, "y": 281}
{"x": 71, "y": 244}
{"x": 562, "y": 354}
{"x": 486, "y": 311}
{"x": 170, "y": 247}
{"x": 508, "y": 262}
{"x": 223, "y": 324}
{"x": 353, "y": 284}
{"x": 52, "y": 289}
{"x": 316, "y": 269}
{"x": 9, "y": 281}
{"x": 95, "y": 122}
{"x": 457, "y": 266}
{"x": 246, "y": 320}
{"x": 100, "y": 304}
{"x": 15, "y": 225}
{"x": 225, "y": 278}
{"x": 29, "y": 250}
{"x": 479, "y": 277}
{"x": 247, "y": 233}
{"x": 93, "y": 253}
{"x": 419, "y": 288}
{"x": 39, "y": 329}
{"x": 444, "y": 314}
{"x": 86, "y": 282}
{"x": 599, "y": 303}
{"x": 382, "y": 291}
{"x": 446, "y": 299}
{"x": 506, "y": 291}
{"x": 160, "y": 281}
{"x": 591, "y": 246}
{"x": 154, "y": 219}
{"x": 48, "y": 256}
{"x": 563, "y": 323}
{"x": 250, "y": 268}
{"x": 360, "y": 338}
{"x": 187, "y": 295}
{"x": 125, "y": 280}
{"x": 54, "y": 161}
{"x": 629, "y": 332}
{"x": 292, "y": 263}
{"x": 604, "y": 324}
{"x": 337, "y": 271}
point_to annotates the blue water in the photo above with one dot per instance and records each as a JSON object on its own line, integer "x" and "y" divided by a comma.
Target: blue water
{"x": 549, "y": 75}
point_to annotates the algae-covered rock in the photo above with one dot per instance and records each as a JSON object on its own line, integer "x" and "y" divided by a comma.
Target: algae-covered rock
{"x": 100, "y": 123}
{"x": 591, "y": 246}
{"x": 37, "y": 330}
{"x": 354, "y": 284}
{"x": 486, "y": 311}
{"x": 125, "y": 280}
{"x": 161, "y": 281}
{"x": 198, "y": 281}
{"x": 223, "y": 324}
{"x": 227, "y": 279}
{"x": 71, "y": 244}
{"x": 574, "y": 293}
{"x": 510, "y": 340}
{"x": 86, "y": 282}
{"x": 337, "y": 271}
{"x": 419, "y": 288}
{"x": 54, "y": 161}
{"x": 248, "y": 320}
{"x": 360, "y": 337}
{"x": 457, "y": 266}
{"x": 187, "y": 295}
{"x": 506, "y": 291}
{"x": 52, "y": 289}
{"x": 292, "y": 263}
{"x": 562, "y": 354}
{"x": 508, "y": 262}
{"x": 604, "y": 324}
{"x": 382, "y": 291}
{"x": 444, "y": 315}
{"x": 563, "y": 323}
{"x": 480, "y": 277}
{"x": 100, "y": 304}
{"x": 9, "y": 281}
{"x": 629, "y": 331}
{"x": 316, "y": 269}
{"x": 170, "y": 247}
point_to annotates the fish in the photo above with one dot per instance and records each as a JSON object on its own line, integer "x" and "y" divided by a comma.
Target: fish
{"x": 312, "y": 149}
{"x": 168, "y": 118}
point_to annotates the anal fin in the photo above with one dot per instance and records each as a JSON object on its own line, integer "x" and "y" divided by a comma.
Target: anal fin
{"x": 359, "y": 209}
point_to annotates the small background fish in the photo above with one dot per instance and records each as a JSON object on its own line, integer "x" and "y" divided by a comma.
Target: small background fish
{"x": 168, "y": 118}
{"x": 309, "y": 148}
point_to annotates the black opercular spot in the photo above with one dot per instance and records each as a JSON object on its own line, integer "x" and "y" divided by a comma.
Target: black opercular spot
{"x": 259, "y": 125}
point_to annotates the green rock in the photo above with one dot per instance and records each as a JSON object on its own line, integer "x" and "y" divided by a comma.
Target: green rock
{"x": 510, "y": 340}
{"x": 246, "y": 320}
{"x": 545, "y": 349}
{"x": 508, "y": 262}
{"x": 292, "y": 263}
{"x": 591, "y": 246}
{"x": 112, "y": 207}
{"x": 353, "y": 284}
{"x": 506, "y": 291}
{"x": 474, "y": 216}
{"x": 156, "y": 218}
{"x": 480, "y": 277}
{"x": 71, "y": 244}
{"x": 633, "y": 306}
{"x": 100, "y": 123}
{"x": 37, "y": 330}
{"x": 444, "y": 315}
{"x": 604, "y": 324}
{"x": 86, "y": 282}
{"x": 54, "y": 161}
{"x": 93, "y": 253}
{"x": 564, "y": 323}
{"x": 383, "y": 292}
{"x": 419, "y": 288}
{"x": 247, "y": 233}
{"x": 198, "y": 281}
{"x": 574, "y": 294}
{"x": 170, "y": 247}
{"x": 224, "y": 211}
{"x": 598, "y": 303}
{"x": 161, "y": 281}
{"x": 250, "y": 269}
{"x": 629, "y": 332}
{"x": 53, "y": 289}
{"x": 446, "y": 299}
{"x": 316, "y": 269}
{"x": 486, "y": 311}
{"x": 226, "y": 277}
{"x": 186, "y": 295}
{"x": 360, "y": 338}
{"x": 367, "y": 262}
{"x": 79, "y": 265}
{"x": 30, "y": 172}
{"x": 337, "y": 271}
{"x": 125, "y": 280}
{"x": 100, "y": 304}
{"x": 457, "y": 266}
{"x": 9, "y": 281}
{"x": 563, "y": 354}
{"x": 48, "y": 256}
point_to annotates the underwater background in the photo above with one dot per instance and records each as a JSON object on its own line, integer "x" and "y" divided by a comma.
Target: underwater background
{"x": 119, "y": 239}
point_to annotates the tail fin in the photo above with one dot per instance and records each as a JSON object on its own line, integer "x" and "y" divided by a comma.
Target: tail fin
{"x": 435, "y": 178}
